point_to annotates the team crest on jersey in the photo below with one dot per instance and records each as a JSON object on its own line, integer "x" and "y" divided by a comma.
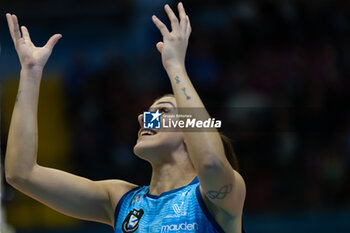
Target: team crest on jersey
{"x": 131, "y": 222}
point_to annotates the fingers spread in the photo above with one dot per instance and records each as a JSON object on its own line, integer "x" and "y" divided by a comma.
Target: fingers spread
{"x": 52, "y": 41}
{"x": 10, "y": 24}
{"x": 25, "y": 33}
{"x": 13, "y": 27}
{"x": 16, "y": 32}
{"x": 172, "y": 17}
{"x": 161, "y": 26}
{"x": 189, "y": 28}
{"x": 182, "y": 14}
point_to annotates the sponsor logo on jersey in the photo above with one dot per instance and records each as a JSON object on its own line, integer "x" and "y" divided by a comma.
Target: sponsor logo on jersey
{"x": 178, "y": 211}
{"x": 177, "y": 208}
{"x": 136, "y": 199}
{"x": 131, "y": 222}
{"x": 180, "y": 227}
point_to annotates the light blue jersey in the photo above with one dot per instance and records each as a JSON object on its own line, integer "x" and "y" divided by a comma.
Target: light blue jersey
{"x": 178, "y": 210}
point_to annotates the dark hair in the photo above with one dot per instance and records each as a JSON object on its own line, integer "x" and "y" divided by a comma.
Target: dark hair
{"x": 166, "y": 95}
{"x": 226, "y": 141}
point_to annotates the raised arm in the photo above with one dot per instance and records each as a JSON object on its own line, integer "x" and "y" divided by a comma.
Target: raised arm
{"x": 222, "y": 185}
{"x": 64, "y": 192}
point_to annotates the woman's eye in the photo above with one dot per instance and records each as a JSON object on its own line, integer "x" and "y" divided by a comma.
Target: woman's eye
{"x": 163, "y": 110}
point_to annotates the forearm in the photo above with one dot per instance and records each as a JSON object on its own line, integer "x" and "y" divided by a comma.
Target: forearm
{"x": 205, "y": 146}
{"x": 69, "y": 194}
{"x": 23, "y": 133}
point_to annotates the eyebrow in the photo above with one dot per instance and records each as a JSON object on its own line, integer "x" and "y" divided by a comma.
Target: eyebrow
{"x": 165, "y": 102}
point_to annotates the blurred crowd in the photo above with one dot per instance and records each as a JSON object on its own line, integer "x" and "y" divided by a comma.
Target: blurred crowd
{"x": 276, "y": 72}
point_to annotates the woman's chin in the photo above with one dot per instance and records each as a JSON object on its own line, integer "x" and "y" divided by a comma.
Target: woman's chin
{"x": 142, "y": 148}
{"x": 148, "y": 149}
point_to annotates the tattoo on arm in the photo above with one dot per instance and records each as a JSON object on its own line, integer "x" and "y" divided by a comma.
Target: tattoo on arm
{"x": 221, "y": 194}
{"x": 177, "y": 79}
{"x": 17, "y": 97}
{"x": 187, "y": 96}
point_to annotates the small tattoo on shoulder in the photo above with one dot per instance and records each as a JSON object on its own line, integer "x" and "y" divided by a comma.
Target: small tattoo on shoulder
{"x": 187, "y": 96}
{"x": 177, "y": 79}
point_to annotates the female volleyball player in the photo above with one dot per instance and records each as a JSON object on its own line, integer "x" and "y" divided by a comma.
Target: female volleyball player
{"x": 193, "y": 187}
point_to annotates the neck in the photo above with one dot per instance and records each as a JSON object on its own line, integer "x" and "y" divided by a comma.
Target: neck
{"x": 169, "y": 176}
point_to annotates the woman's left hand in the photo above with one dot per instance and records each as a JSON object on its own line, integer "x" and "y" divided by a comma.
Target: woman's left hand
{"x": 174, "y": 45}
{"x": 29, "y": 55}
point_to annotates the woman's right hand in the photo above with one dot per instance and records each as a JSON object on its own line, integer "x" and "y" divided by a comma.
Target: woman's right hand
{"x": 29, "y": 55}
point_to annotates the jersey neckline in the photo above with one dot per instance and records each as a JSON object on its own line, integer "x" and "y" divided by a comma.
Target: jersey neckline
{"x": 194, "y": 181}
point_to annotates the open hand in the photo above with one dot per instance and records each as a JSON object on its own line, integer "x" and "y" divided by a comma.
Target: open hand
{"x": 174, "y": 45}
{"x": 29, "y": 55}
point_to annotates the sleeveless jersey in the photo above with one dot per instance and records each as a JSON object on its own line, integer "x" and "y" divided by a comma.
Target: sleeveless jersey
{"x": 178, "y": 210}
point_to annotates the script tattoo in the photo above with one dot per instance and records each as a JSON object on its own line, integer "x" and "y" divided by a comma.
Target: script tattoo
{"x": 187, "y": 96}
{"x": 177, "y": 79}
{"x": 17, "y": 97}
{"x": 221, "y": 194}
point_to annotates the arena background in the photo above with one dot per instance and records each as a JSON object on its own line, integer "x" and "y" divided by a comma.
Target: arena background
{"x": 278, "y": 71}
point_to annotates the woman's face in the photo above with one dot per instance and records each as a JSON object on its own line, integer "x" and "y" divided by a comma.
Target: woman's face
{"x": 160, "y": 141}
